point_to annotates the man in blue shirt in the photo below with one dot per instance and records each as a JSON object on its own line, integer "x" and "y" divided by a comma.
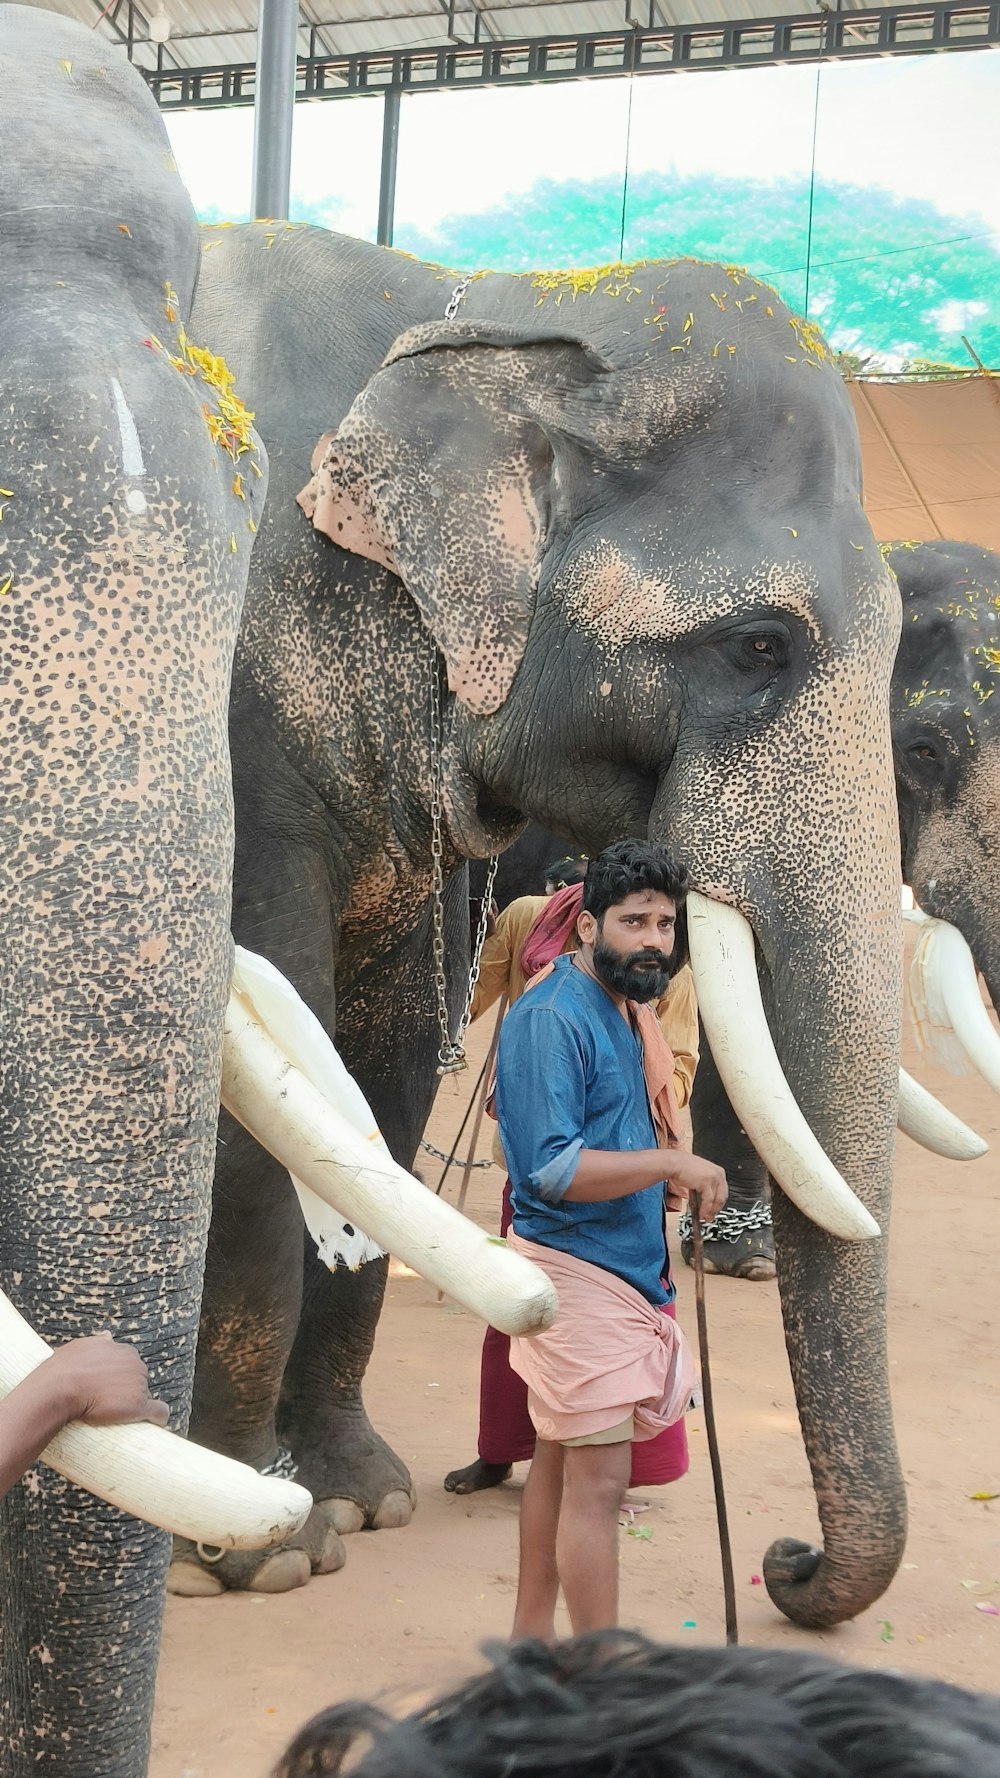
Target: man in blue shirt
{"x": 581, "y": 1098}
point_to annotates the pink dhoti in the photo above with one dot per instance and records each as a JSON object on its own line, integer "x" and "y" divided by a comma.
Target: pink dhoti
{"x": 608, "y": 1354}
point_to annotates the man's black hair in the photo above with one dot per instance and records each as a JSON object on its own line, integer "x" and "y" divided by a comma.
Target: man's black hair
{"x": 565, "y": 871}
{"x": 613, "y": 1705}
{"x": 629, "y": 865}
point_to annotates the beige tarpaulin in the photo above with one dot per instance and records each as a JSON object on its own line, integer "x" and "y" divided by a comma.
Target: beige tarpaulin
{"x": 931, "y": 454}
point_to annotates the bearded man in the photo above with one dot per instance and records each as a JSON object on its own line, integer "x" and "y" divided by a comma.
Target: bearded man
{"x": 589, "y": 1125}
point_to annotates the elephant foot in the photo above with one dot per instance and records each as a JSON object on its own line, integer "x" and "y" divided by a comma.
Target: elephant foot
{"x": 353, "y": 1474}
{"x": 476, "y": 1476}
{"x": 202, "y": 1571}
{"x": 738, "y": 1243}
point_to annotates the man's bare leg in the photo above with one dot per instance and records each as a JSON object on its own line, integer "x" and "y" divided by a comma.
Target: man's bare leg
{"x": 595, "y": 1478}
{"x": 538, "y": 1578}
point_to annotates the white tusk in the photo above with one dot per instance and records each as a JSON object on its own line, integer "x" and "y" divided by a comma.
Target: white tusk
{"x": 946, "y": 1007}
{"x": 725, "y": 971}
{"x": 155, "y": 1475}
{"x": 309, "y": 1136}
{"x": 927, "y": 1121}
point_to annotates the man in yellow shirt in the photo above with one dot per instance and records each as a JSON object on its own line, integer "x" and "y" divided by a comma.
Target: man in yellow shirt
{"x": 546, "y": 925}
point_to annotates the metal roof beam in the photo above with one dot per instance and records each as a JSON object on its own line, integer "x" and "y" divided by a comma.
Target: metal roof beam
{"x": 930, "y": 28}
{"x": 128, "y": 37}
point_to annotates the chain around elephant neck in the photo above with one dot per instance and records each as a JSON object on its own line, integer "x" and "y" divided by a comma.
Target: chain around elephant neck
{"x": 451, "y": 1050}
{"x": 455, "y": 299}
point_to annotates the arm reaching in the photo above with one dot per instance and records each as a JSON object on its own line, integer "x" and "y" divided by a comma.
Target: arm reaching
{"x": 601, "y": 1176}
{"x": 94, "y": 1380}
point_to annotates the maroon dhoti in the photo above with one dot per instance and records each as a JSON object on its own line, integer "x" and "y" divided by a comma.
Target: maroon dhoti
{"x": 506, "y": 1434}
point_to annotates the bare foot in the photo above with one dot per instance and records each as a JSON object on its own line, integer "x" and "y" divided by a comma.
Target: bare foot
{"x": 476, "y": 1476}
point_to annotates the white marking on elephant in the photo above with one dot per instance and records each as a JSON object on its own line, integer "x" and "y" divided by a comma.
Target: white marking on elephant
{"x": 132, "y": 462}
{"x": 946, "y": 1007}
{"x": 275, "y": 1101}
{"x": 300, "y": 1036}
{"x": 153, "y": 1474}
{"x": 925, "y": 1120}
{"x": 723, "y": 960}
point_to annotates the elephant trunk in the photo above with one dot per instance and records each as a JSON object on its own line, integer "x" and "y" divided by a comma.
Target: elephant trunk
{"x": 817, "y": 878}
{"x": 116, "y": 634}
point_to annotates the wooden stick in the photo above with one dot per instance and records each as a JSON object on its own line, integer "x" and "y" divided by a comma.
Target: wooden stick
{"x": 481, "y": 1107}
{"x": 725, "y": 1548}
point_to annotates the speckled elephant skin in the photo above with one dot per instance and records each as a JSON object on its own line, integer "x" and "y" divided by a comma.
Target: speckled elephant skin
{"x": 620, "y": 513}
{"x": 946, "y": 752}
{"x": 123, "y": 559}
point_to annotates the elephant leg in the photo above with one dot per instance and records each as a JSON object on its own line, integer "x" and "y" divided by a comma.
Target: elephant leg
{"x": 740, "y": 1241}
{"x": 253, "y": 1275}
{"x": 250, "y": 1310}
{"x": 387, "y": 1035}
{"x": 351, "y": 1471}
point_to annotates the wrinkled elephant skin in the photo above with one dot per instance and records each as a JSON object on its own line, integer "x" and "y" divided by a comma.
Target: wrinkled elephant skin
{"x": 123, "y": 560}
{"x": 946, "y": 739}
{"x": 624, "y": 509}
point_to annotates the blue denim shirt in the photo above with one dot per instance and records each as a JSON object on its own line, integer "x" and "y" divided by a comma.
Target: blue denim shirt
{"x": 569, "y": 1076}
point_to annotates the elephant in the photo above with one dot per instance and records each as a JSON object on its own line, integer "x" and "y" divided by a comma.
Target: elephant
{"x": 945, "y": 743}
{"x": 641, "y": 483}
{"x": 124, "y": 553}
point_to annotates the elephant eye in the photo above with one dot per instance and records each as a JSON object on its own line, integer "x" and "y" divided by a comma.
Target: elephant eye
{"x": 924, "y": 757}
{"x": 765, "y": 647}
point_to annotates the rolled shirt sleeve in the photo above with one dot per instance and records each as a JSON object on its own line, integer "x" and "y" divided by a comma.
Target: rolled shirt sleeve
{"x": 541, "y": 1099}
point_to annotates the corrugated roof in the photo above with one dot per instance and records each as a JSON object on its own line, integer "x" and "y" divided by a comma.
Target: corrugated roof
{"x": 209, "y": 32}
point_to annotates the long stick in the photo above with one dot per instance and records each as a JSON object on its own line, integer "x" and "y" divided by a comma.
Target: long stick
{"x": 449, "y": 1163}
{"x": 481, "y": 1106}
{"x": 725, "y": 1548}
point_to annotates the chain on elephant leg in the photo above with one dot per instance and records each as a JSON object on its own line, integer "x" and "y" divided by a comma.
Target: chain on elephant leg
{"x": 739, "y": 1242}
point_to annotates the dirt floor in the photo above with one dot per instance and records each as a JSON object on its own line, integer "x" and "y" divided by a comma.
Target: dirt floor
{"x": 410, "y": 1609}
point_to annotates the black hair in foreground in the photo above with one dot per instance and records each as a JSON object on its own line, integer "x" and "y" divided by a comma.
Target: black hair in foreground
{"x": 566, "y": 871}
{"x": 613, "y": 1705}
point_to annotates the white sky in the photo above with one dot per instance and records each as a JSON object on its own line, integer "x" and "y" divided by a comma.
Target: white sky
{"x": 920, "y": 126}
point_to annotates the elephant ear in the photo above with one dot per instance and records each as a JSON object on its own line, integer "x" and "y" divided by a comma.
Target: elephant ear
{"x": 443, "y": 472}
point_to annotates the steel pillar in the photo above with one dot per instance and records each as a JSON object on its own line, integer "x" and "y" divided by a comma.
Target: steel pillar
{"x": 387, "y": 182}
{"x": 274, "y": 107}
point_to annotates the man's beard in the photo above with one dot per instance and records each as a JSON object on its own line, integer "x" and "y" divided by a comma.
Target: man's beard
{"x": 634, "y": 975}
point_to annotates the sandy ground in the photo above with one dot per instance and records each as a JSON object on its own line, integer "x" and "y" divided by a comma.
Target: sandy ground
{"x": 410, "y": 1609}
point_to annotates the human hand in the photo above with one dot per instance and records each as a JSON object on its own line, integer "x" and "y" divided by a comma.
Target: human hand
{"x": 491, "y": 919}
{"x": 690, "y": 1176}
{"x": 102, "y": 1383}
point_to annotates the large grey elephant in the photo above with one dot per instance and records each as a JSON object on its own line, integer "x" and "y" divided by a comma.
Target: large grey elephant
{"x": 640, "y": 485}
{"x": 123, "y": 560}
{"x": 946, "y": 740}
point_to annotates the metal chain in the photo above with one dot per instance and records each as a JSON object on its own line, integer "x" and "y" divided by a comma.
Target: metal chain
{"x": 439, "y": 1155}
{"x": 451, "y": 1051}
{"x": 283, "y": 1465}
{"x": 730, "y": 1224}
{"x": 455, "y": 300}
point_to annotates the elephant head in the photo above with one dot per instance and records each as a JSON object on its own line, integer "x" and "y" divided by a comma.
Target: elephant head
{"x": 628, "y": 507}
{"x": 131, "y": 480}
{"x": 946, "y": 738}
